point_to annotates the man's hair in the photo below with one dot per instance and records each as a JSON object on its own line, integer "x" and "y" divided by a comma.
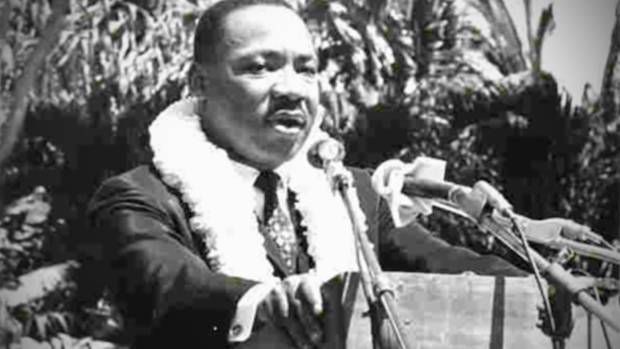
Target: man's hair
{"x": 209, "y": 29}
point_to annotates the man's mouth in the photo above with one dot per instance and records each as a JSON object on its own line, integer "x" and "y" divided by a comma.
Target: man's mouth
{"x": 288, "y": 122}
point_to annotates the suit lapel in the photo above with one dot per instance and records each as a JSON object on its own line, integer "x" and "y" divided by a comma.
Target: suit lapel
{"x": 304, "y": 262}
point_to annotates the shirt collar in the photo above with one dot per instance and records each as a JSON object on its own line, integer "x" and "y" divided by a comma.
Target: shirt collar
{"x": 249, "y": 174}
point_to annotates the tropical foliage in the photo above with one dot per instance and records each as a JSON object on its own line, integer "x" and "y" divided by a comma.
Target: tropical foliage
{"x": 81, "y": 79}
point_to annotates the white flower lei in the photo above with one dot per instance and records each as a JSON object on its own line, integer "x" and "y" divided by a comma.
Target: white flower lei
{"x": 222, "y": 205}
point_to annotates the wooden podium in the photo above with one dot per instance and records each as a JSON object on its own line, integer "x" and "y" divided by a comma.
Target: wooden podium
{"x": 459, "y": 311}
{"x": 442, "y": 311}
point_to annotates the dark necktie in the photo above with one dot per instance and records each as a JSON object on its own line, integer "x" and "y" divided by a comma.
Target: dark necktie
{"x": 276, "y": 222}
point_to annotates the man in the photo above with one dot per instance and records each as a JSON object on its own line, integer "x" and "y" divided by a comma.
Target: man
{"x": 230, "y": 228}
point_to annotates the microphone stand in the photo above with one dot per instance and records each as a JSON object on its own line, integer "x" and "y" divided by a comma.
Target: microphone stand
{"x": 606, "y": 255}
{"x": 488, "y": 221}
{"x": 553, "y": 271}
{"x": 485, "y": 206}
{"x": 555, "y": 242}
{"x": 470, "y": 202}
{"x": 558, "y": 242}
{"x": 342, "y": 181}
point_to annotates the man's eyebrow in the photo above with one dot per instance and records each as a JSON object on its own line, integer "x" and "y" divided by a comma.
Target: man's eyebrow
{"x": 307, "y": 58}
{"x": 251, "y": 54}
{"x": 269, "y": 53}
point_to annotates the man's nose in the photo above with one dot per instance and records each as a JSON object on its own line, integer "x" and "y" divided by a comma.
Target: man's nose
{"x": 290, "y": 84}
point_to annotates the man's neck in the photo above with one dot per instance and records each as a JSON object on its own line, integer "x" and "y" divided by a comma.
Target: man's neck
{"x": 232, "y": 154}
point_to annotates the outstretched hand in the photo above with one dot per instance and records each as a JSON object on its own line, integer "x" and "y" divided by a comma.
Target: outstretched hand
{"x": 295, "y": 304}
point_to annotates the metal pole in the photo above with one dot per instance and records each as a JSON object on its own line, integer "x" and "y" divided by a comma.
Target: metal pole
{"x": 381, "y": 285}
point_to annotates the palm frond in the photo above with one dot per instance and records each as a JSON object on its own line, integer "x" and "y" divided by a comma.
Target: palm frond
{"x": 506, "y": 45}
{"x": 546, "y": 24}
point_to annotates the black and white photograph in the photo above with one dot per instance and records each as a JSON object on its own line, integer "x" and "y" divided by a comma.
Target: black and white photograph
{"x": 310, "y": 174}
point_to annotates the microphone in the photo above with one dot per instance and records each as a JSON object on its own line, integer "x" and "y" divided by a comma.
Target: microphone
{"x": 471, "y": 201}
{"x": 325, "y": 152}
{"x": 479, "y": 203}
{"x": 393, "y": 177}
{"x": 551, "y": 232}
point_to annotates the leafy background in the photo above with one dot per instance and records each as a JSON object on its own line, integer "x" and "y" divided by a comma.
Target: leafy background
{"x": 80, "y": 80}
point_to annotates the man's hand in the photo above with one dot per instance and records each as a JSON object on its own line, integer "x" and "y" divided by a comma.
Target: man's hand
{"x": 296, "y": 305}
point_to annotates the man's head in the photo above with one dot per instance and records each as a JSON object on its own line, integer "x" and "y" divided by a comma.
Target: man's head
{"x": 255, "y": 69}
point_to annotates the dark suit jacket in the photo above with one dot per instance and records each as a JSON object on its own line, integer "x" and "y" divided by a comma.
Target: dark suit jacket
{"x": 147, "y": 255}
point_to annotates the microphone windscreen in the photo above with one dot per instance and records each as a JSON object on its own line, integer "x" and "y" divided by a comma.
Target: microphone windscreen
{"x": 325, "y": 151}
{"x": 382, "y": 175}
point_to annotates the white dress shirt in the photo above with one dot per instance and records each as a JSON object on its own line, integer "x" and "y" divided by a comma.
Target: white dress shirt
{"x": 243, "y": 320}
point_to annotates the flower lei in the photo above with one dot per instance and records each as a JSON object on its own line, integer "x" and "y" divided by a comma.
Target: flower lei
{"x": 222, "y": 205}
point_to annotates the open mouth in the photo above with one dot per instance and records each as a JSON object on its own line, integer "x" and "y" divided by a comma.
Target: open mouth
{"x": 288, "y": 123}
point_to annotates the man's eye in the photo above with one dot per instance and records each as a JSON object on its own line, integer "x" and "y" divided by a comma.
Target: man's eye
{"x": 308, "y": 70}
{"x": 256, "y": 68}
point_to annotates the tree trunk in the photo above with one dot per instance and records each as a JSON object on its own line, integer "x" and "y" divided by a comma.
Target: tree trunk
{"x": 5, "y": 12}
{"x": 18, "y": 104}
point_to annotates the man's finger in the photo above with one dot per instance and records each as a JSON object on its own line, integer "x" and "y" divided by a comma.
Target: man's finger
{"x": 307, "y": 305}
{"x": 291, "y": 322}
{"x": 301, "y": 301}
{"x": 280, "y": 300}
{"x": 310, "y": 323}
{"x": 311, "y": 293}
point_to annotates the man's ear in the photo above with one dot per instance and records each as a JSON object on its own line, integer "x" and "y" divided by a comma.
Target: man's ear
{"x": 197, "y": 79}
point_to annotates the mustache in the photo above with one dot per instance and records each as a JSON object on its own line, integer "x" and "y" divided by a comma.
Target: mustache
{"x": 287, "y": 104}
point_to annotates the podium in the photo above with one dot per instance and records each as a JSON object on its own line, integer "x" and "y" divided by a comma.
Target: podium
{"x": 459, "y": 311}
{"x": 443, "y": 311}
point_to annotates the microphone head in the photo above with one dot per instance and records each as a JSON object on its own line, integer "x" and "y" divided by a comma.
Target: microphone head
{"x": 382, "y": 175}
{"x": 325, "y": 151}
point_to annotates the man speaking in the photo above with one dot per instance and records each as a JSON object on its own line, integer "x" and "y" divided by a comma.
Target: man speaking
{"x": 230, "y": 227}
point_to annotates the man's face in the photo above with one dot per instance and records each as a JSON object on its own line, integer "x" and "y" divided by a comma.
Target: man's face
{"x": 261, "y": 91}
